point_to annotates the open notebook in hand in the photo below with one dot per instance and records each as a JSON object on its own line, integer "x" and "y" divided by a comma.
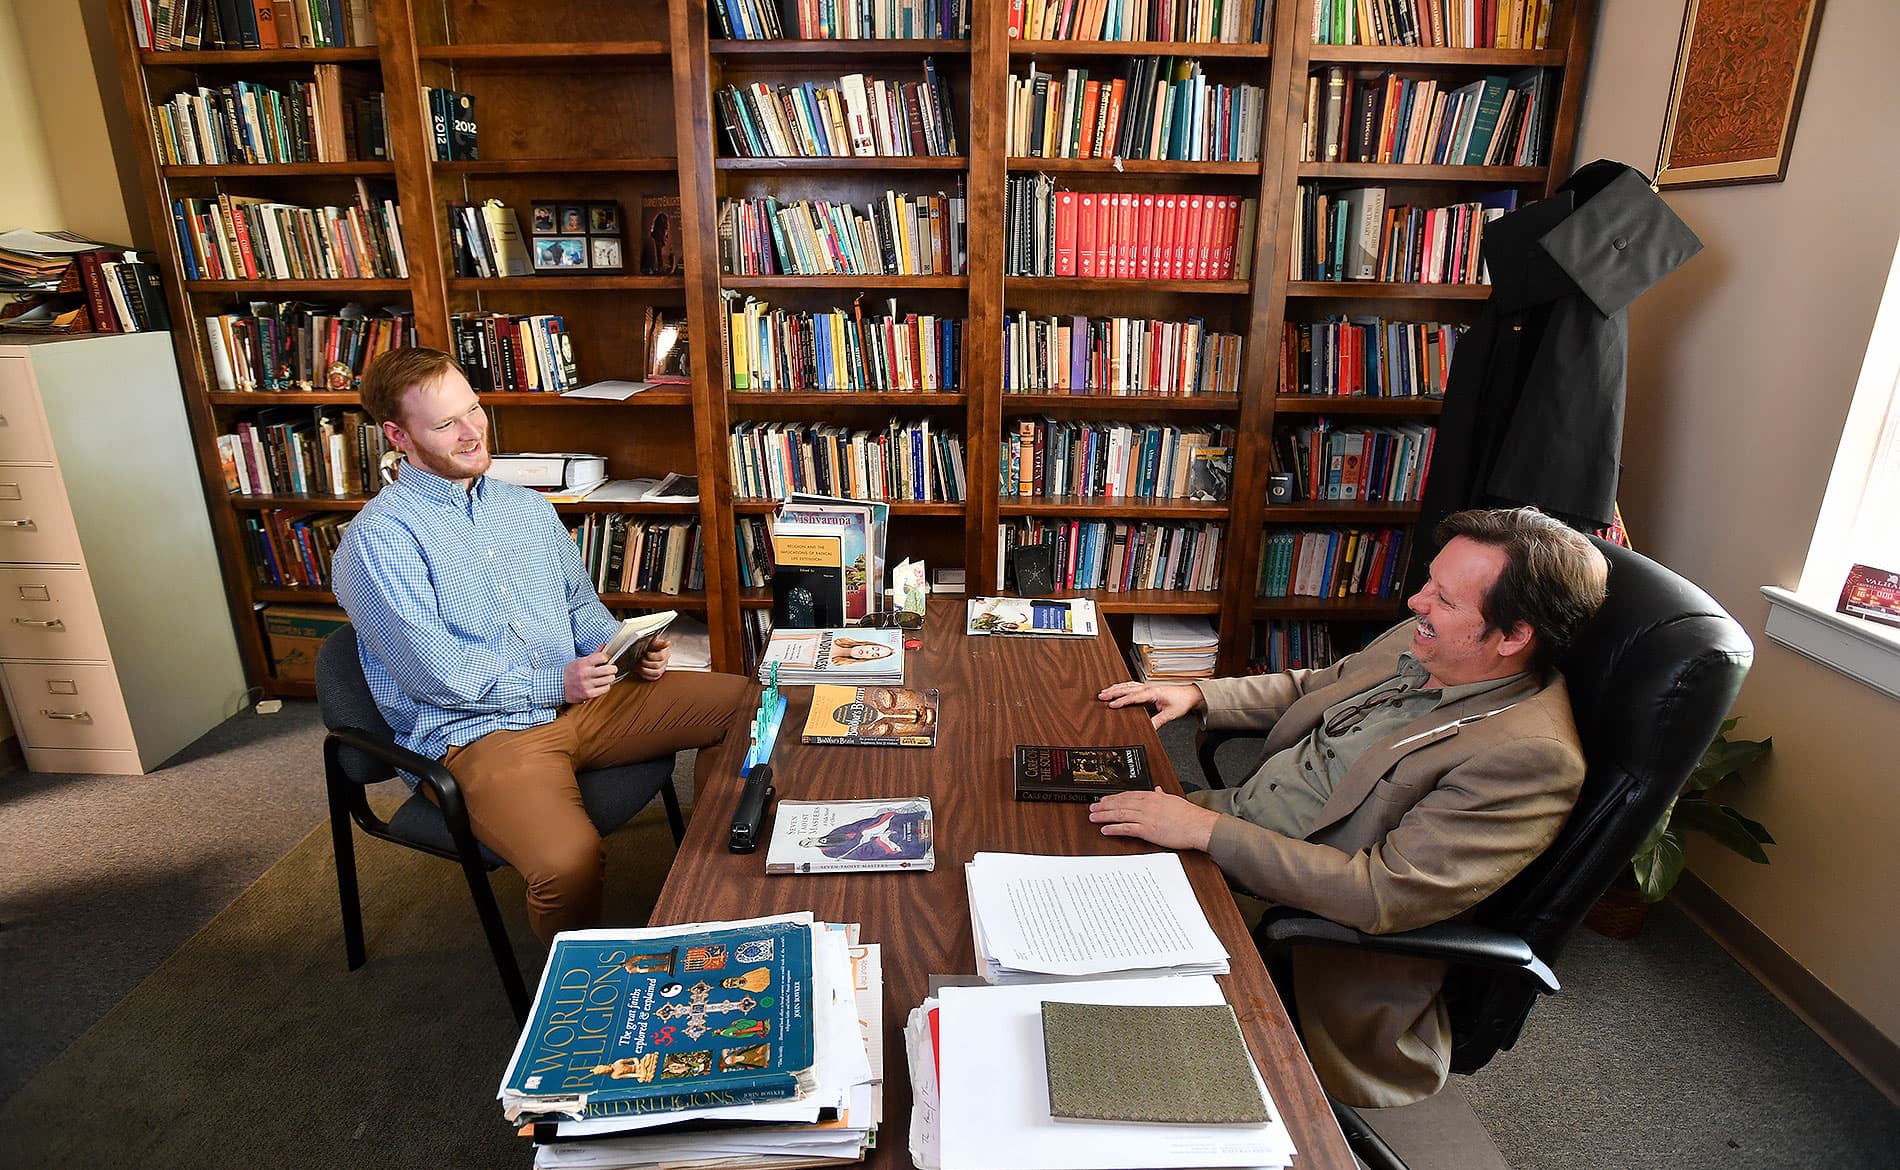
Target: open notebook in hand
{"x": 635, "y": 636}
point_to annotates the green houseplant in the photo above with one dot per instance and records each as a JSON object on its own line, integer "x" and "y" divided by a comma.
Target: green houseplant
{"x": 1658, "y": 861}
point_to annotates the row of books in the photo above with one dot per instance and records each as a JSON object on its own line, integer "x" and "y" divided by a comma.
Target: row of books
{"x": 241, "y": 237}
{"x": 1382, "y": 464}
{"x": 859, "y": 116}
{"x": 503, "y": 352}
{"x": 905, "y": 461}
{"x": 1126, "y": 235}
{"x": 287, "y": 345}
{"x": 1454, "y": 24}
{"x": 289, "y": 450}
{"x": 845, "y": 20}
{"x": 1047, "y": 458}
{"x": 291, "y": 549}
{"x": 1118, "y": 555}
{"x": 1226, "y": 22}
{"x": 252, "y": 24}
{"x": 1118, "y": 356}
{"x": 1332, "y": 562}
{"x": 453, "y": 133}
{"x": 1494, "y": 121}
{"x": 1366, "y": 357}
{"x": 249, "y": 122}
{"x": 897, "y": 235}
{"x": 1292, "y": 645}
{"x": 1160, "y": 108}
{"x": 485, "y": 240}
{"x": 839, "y": 349}
{"x": 1356, "y": 235}
{"x": 635, "y": 554}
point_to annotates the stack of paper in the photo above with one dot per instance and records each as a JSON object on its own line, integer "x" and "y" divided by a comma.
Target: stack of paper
{"x": 1037, "y": 918}
{"x": 641, "y": 1041}
{"x": 980, "y": 1087}
{"x": 845, "y": 655}
{"x": 691, "y": 644}
{"x": 1174, "y": 649}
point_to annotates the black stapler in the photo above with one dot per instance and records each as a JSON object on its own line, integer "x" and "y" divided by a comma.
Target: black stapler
{"x": 748, "y": 820}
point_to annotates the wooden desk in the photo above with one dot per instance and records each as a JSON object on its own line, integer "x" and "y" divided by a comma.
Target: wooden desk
{"x": 997, "y": 692}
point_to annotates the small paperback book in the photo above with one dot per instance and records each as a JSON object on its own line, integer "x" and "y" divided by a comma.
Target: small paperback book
{"x": 635, "y": 635}
{"x": 847, "y": 655}
{"x": 811, "y": 836}
{"x": 1045, "y": 772}
{"x": 882, "y": 716}
{"x": 1042, "y": 617}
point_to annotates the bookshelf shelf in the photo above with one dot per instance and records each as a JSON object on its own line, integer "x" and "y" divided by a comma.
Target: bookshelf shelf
{"x": 1380, "y": 290}
{"x": 1396, "y": 55}
{"x": 562, "y": 283}
{"x": 545, "y": 52}
{"x": 902, "y": 162}
{"x": 1095, "y": 507}
{"x": 1211, "y": 288}
{"x": 368, "y": 168}
{"x": 690, "y": 601}
{"x": 1415, "y": 173}
{"x": 244, "y": 58}
{"x": 1026, "y": 49}
{"x": 845, "y": 282}
{"x": 555, "y": 166}
{"x": 1356, "y": 405}
{"x": 601, "y": 99}
{"x": 1130, "y": 166}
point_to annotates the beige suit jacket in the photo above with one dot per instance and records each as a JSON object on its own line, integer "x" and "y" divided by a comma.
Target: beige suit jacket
{"x": 1422, "y": 827}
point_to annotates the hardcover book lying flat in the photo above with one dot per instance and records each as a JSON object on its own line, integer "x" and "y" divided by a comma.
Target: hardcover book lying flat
{"x": 1072, "y": 617}
{"x": 1046, "y": 772}
{"x": 812, "y": 836}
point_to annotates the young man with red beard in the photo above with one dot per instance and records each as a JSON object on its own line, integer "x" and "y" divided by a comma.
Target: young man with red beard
{"x": 1402, "y": 785}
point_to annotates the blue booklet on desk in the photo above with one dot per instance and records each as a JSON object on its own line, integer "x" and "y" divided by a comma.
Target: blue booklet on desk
{"x": 1068, "y": 617}
{"x": 666, "y": 1020}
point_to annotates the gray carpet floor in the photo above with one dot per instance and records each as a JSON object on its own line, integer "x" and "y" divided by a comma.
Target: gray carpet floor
{"x": 1661, "y": 1052}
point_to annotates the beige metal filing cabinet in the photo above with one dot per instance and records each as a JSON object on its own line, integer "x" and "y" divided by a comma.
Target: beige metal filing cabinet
{"x": 116, "y": 647}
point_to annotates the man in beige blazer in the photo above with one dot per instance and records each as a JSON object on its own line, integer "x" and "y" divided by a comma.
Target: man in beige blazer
{"x": 1402, "y": 785}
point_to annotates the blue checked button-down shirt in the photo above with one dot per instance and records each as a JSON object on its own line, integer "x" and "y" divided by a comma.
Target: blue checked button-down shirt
{"x": 468, "y": 606}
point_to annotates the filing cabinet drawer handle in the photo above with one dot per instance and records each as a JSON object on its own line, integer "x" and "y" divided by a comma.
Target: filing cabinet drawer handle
{"x": 43, "y": 623}
{"x": 26, "y": 523}
{"x": 69, "y": 716}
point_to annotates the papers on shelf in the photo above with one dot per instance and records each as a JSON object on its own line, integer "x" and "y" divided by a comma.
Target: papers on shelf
{"x": 1170, "y": 648}
{"x": 691, "y": 642}
{"x": 981, "y": 1096}
{"x": 674, "y": 488}
{"x": 611, "y": 390}
{"x": 1040, "y": 918}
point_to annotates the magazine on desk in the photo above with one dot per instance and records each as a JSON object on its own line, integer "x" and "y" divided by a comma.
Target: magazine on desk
{"x": 843, "y": 655}
{"x": 1042, "y": 617}
{"x": 872, "y": 716}
{"x": 814, "y": 836}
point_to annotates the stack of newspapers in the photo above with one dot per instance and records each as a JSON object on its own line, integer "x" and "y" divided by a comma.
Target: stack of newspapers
{"x": 1099, "y": 1036}
{"x": 752, "y": 1043}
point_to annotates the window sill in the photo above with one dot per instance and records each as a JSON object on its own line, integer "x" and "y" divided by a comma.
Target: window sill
{"x": 1862, "y": 650}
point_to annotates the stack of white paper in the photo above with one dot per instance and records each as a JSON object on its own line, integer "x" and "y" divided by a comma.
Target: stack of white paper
{"x": 981, "y": 1092}
{"x": 836, "y": 1120}
{"x": 1174, "y": 649}
{"x": 1039, "y": 918}
{"x": 691, "y": 644}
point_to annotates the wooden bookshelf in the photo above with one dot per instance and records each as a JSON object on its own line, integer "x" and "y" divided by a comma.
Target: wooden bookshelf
{"x": 599, "y": 99}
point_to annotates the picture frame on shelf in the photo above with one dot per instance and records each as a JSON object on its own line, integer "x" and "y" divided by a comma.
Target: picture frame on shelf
{"x": 573, "y": 219}
{"x": 603, "y": 217}
{"x": 603, "y": 253}
{"x": 544, "y": 219}
{"x": 661, "y": 252}
{"x": 561, "y": 254}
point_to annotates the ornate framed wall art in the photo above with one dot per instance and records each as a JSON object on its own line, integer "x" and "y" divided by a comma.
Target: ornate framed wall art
{"x": 1740, "y": 70}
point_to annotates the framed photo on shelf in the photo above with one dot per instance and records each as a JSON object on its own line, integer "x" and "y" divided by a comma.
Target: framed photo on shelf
{"x": 1740, "y": 70}
{"x": 544, "y": 219}
{"x": 603, "y": 218}
{"x": 604, "y": 253}
{"x": 560, "y": 254}
{"x": 573, "y": 219}
{"x": 661, "y": 253}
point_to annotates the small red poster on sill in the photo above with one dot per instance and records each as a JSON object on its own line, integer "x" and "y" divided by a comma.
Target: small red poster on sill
{"x": 1871, "y": 593}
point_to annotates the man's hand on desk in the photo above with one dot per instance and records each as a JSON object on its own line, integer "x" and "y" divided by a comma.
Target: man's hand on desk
{"x": 1167, "y": 821}
{"x": 587, "y": 677}
{"x": 1170, "y": 703}
{"x": 653, "y": 662}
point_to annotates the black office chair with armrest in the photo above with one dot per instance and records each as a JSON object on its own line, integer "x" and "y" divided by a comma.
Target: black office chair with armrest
{"x": 1651, "y": 679}
{"x": 360, "y": 751}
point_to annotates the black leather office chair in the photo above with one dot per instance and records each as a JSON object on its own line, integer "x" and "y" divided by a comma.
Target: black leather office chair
{"x": 1651, "y": 679}
{"x": 360, "y": 750}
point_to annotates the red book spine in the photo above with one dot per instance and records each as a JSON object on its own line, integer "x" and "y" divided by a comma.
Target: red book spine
{"x": 1113, "y": 126}
{"x": 1145, "y": 238}
{"x": 1065, "y": 233}
{"x": 1085, "y": 234}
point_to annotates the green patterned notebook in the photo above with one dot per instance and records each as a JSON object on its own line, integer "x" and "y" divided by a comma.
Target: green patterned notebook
{"x": 1126, "y": 1062}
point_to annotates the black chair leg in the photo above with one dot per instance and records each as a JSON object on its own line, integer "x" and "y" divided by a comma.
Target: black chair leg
{"x": 498, "y": 944}
{"x": 671, "y": 796}
{"x": 1366, "y": 1145}
{"x": 344, "y": 845}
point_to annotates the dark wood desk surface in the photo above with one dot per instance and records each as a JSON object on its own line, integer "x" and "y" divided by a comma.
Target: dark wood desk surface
{"x": 997, "y": 692}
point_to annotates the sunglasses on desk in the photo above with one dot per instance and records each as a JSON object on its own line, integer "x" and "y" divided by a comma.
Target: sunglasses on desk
{"x": 891, "y": 619}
